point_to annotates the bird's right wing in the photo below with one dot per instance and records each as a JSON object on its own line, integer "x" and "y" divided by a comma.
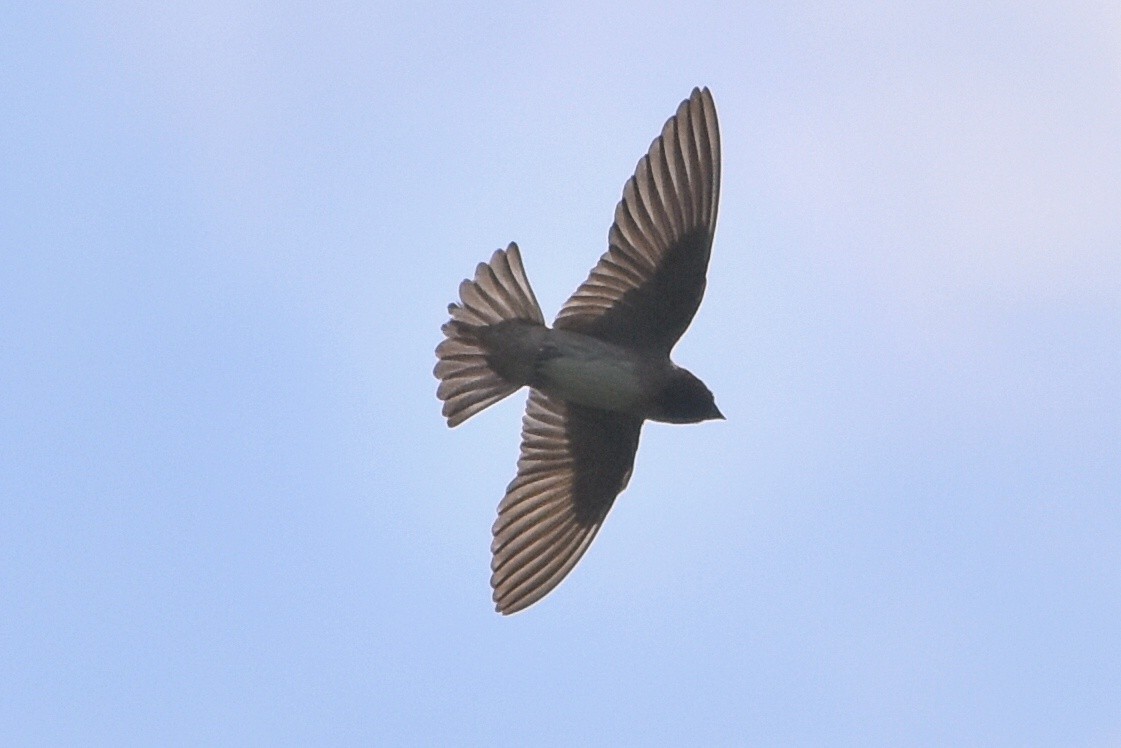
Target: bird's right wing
{"x": 648, "y": 285}
{"x": 574, "y": 462}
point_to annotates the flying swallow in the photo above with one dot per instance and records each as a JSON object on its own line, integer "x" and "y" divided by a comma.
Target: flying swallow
{"x": 601, "y": 370}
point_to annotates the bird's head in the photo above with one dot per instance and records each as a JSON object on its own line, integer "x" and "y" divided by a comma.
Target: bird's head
{"x": 685, "y": 399}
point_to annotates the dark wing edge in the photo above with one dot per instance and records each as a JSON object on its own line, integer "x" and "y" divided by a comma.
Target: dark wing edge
{"x": 574, "y": 462}
{"x": 647, "y": 287}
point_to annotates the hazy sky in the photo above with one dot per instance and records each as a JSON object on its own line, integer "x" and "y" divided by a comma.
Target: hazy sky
{"x": 230, "y": 512}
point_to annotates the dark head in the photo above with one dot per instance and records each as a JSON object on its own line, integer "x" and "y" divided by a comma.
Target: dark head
{"x": 685, "y": 399}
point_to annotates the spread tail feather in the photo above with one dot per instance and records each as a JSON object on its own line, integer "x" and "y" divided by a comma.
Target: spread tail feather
{"x": 500, "y": 292}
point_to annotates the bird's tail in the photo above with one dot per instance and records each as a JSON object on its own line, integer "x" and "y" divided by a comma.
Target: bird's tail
{"x": 499, "y": 293}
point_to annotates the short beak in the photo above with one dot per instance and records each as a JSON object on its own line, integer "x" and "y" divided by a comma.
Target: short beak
{"x": 716, "y": 414}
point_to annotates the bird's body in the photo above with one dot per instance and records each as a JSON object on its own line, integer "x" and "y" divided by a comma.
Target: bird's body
{"x": 601, "y": 370}
{"x": 583, "y": 369}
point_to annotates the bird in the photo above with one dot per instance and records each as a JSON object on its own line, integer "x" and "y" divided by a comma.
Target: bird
{"x": 601, "y": 370}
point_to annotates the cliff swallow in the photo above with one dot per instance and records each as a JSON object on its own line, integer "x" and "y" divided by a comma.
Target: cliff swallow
{"x": 601, "y": 370}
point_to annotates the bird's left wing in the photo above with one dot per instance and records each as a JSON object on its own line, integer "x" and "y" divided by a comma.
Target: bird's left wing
{"x": 574, "y": 462}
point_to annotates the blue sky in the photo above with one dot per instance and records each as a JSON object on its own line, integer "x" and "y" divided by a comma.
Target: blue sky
{"x": 233, "y": 514}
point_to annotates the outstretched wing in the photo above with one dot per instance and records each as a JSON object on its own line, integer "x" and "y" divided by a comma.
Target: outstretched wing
{"x": 574, "y": 462}
{"x": 647, "y": 287}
